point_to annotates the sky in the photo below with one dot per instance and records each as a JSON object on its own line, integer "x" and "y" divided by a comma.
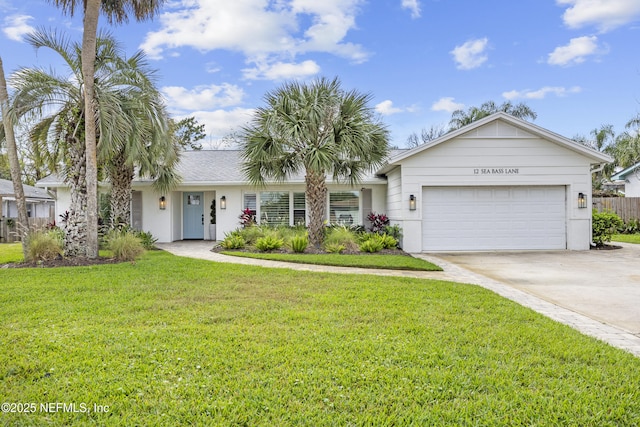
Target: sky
{"x": 576, "y": 63}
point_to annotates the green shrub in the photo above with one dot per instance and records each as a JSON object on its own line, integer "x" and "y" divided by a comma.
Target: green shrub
{"x": 341, "y": 235}
{"x": 147, "y": 239}
{"x": 44, "y": 245}
{"x": 394, "y": 231}
{"x": 251, "y": 234}
{"x": 605, "y": 225}
{"x": 630, "y": 227}
{"x": 334, "y": 248}
{"x": 269, "y": 243}
{"x": 374, "y": 243}
{"x": 233, "y": 240}
{"x": 389, "y": 242}
{"x": 124, "y": 245}
{"x": 299, "y": 243}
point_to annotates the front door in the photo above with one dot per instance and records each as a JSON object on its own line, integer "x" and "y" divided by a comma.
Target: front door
{"x": 193, "y": 215}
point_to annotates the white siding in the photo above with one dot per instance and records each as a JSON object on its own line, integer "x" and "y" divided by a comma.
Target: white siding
{"x": 497, "y": 154}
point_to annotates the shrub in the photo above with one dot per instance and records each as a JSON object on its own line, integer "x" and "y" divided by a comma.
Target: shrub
{"x": 251, "y": 234}
{"x": 233, "y": 241}
{"x": 334, "y": 248}
{"x": 341, "y": 235}
{"x": 44, "y": 245}
{"x": 394, "y": 231}
{"x": 372, "y": 245}
{"x": 299, "y": 243}
{"x": 389, "y": 242}
{"x": 269, "y": 243}
{"x": 147, "y": 239}
{"x": 605, "y": 225}
{"x": 630, "y": 227}
{"x": 125, "y": 245}
{"x": 247, "y": 218}
{"x": 378, "y": 222}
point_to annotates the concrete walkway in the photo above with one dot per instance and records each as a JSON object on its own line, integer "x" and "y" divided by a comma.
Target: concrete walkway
{"x": 612, "y": 335}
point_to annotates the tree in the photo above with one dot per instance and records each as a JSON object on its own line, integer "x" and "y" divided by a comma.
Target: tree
{"x": 130, "y": 119}
{"x": 188, "y": 132}
{"x": 426, "y": 135}
{"x": 318, "y": 129}
{"x": 460, "y": 118}
{"x": 115, "y": 11}
{"x": 14, "y": 162}
{"x": 626, "y": 149}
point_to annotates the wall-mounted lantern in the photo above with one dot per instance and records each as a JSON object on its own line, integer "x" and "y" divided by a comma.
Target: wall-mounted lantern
{"x": 582, "y": 201}
{"x": 162, "y": 203}
{"x": 223, "y": 202}
{"x": 412, "y": 202}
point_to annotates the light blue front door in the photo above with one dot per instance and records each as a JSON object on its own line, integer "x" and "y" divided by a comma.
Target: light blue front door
{"x": 193, "y": 215}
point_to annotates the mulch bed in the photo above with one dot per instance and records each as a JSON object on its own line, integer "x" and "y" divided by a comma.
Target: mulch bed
{"x": 605, "y": 247}
{"x": 312, "y": 250}
{"x": 62, "y": 262}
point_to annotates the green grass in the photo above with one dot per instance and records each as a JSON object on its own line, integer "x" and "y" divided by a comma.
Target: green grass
{"x": 173, "y": 341}
{"x": 10, "y": 253}
{"x": 626, "y": 238}
{"x": 391, "y": 262}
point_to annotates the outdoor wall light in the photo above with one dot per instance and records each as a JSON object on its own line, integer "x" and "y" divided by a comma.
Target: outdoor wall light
{"x": 223, "y": 202}
{"x": 162, "y": 203}
{"x": 582, "y": 200}
{"x": 412, "y": 202}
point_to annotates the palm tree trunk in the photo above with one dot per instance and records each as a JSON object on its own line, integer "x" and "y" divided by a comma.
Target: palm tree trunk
{"x": 75, "y": 226}
{"x": 14, "y": 163}
{"x": 316, "y": 194}
{"x": 91, "y": 12}
{"x": 121, "y": 176}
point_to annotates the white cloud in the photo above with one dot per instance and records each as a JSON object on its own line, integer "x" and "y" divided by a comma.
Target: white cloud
{"x": 386, "y": 108}
{"x": 576, "y": 51}
{"x": 446, "y": 104}
{"x": 259, "y": 28}
{"x": 219, "y": 124}
{"x": 413, "y": 6}
{"x": 541, "y": 93}
{"x": 603, "y": 14}
{"x": 281, "y": 70}
{"x": 16, "y": 26}
{"x": 202, "y": 97}
{"x": 471, "y": 54}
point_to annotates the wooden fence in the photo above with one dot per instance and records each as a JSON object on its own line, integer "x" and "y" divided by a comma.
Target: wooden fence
{"x": 625, "y": 207}
{"x": 9, "y": 232}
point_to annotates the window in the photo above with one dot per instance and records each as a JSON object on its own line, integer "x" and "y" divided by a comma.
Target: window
{"x": 299, "y": 209}
{"x": 274, "y": 208}
{"x": 344, "y": 207}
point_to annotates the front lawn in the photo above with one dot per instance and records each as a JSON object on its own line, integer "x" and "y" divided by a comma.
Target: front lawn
{"x": 10, "y": 253}
{"x": 626, "y": 238}
{"x": 390, "y": 262}
{"x": 176, "y": 341}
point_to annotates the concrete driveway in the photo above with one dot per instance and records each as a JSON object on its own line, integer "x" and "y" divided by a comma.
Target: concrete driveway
{"x": 601, "y": 284}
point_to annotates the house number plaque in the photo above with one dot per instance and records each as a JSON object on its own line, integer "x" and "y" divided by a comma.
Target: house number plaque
{"x": 496, "y": 171}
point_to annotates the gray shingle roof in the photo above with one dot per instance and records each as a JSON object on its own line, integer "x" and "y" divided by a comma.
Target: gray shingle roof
{"x": 6, "y": 190}
{"x": 209, "y": 167}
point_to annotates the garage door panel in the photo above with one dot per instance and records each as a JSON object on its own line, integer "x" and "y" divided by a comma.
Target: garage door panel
{"x": 493, "y": 218}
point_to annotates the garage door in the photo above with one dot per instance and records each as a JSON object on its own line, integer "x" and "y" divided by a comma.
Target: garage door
{"x": 493, "y": 218}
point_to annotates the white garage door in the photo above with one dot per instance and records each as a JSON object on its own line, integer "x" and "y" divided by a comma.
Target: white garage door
{"x": 493, "y": 218}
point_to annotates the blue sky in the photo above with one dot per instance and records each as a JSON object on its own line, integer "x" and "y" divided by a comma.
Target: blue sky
{"x": 574, "y": 62}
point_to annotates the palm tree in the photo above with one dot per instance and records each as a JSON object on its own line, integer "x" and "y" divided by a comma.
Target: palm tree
{"x": 115, "y": 11}
{"x": 131, "y": 122}
{"x": 317, "y": 128}
{"x": 626, "y": 149}
{"x": 145, "y": 142}
{"x": 14, "y": 163}
{"x": 460, "y": 118}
